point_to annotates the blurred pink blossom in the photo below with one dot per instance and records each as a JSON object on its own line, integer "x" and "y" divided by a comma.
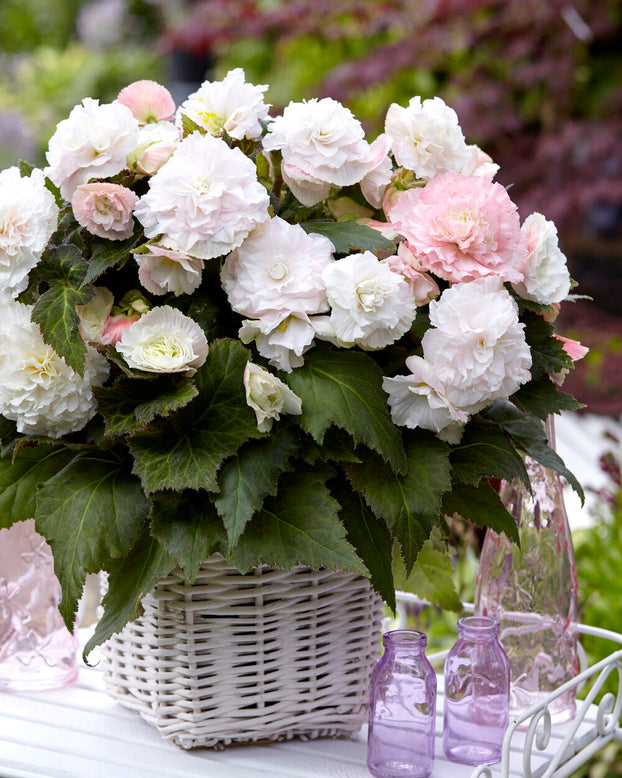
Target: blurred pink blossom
{"x": 148, "y": 101}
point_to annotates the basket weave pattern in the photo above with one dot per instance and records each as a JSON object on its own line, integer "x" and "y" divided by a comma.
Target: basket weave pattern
{"x": 236, "y": 658}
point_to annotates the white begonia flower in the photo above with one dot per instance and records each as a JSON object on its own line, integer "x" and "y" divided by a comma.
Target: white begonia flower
{"x": 419, "y": 400}
{"x": 92, "y": 142}
{"x": 480, "y": 164}
{"x": 231, "y": 105}
{"x": 28, "y": 218}
{"x": 205, "y": 200}
{"x": 477, "y": 347}
{"x": 281, "y": 339}
{"x": 162, "y": 270}
{"x": 278, "y": 271}
{"x": 164, "y": 340}
{"x": 93, "y": 314}
{"x": 547, "y": 279}
{"x": 268, "y": 396}
{"x": 371, "y": 306}
{"x": 426, "y": 138}
{"x": 38, "y": 390}
{"x": 322, "y": 145}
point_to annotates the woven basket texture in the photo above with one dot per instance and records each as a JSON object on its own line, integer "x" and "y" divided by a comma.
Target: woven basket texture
{"x": 235, "y": 658}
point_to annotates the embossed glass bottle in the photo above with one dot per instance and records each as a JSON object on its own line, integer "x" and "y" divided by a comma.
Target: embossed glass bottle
{"x": 402, "y": 713}
{"x": 477, "y": 694}
{"x": 37, "y": 651}
{"x": 532, "y": 591}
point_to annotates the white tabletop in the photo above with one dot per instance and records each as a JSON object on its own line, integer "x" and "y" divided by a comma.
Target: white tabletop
{"x": 81, "y": 732}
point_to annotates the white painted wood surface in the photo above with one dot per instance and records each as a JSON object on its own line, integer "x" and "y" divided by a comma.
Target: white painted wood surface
{"x": 80, "y": 732}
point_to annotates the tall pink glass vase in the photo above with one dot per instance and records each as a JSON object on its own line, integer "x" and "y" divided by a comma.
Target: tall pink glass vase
{"x": 37, "y": 651}
{"x": 532, "y": 591}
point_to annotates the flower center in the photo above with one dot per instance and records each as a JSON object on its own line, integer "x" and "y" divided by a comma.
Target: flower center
{"x": 214, "y": 123}
{"x": 370, "y": 294}
{"x": 277, "y": 271}
{"x": 164, "y": 347}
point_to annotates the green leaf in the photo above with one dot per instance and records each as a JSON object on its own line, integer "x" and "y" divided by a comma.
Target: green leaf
{"x": 432, "y": 577}
{"x": 345, "y": 388}
{"x": 8, "y": 433}
{"x": 480, "y": 505}
{"x": 89, "y": 512}
{"x": 347, "y": 236}
{"x": 19, "y": 479}
{"x": 249, "y": 477}
{"x": 130, "y": 579}
{"x": 410, "y": 504}
{"x": 372, "y": 540}
{"x": 547, "y": 351}
{"x": 485, "y": 451}
{"x": 188, "y": 527}
{"x": 298, "y": 526}
{"x": 529, "y": 433}
{"x": 189, "y": 126}
{"x": 55, "y": 311}
{"x": 541, "y": 398}
{"x": 130, "y": 405}
{"x": 187, "y": 451}
{"x": 110, "y": 253}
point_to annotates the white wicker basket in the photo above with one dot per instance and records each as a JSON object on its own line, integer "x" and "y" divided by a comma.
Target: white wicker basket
{"x": 236, "y": 658}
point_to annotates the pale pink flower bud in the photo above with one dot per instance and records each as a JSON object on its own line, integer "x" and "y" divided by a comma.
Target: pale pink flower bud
{"x": 148, "y": 101}
{"x": 114, "y": 328}
{"x": 573, "y": 348}
{"x": 105, "y": 209}
{"x": 422, "y": 285}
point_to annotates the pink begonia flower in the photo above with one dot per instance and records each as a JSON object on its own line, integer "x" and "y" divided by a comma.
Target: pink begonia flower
{"x": 573, "y": 348}
{"x": 156, "y": 144}
{"x": 575, "y": 351}
{"x": 114, "y": 327}
{"x": 148, "y": 101}
{"x": 105, "y": 209}
{"x": 463, "y": 228}
{"x": 378, "y": 176}
{"x": 422, "y": 285}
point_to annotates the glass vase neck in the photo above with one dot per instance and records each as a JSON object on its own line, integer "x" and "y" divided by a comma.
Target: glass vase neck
{"x": 405, "y": 641}
{"x": 478, "y": 628}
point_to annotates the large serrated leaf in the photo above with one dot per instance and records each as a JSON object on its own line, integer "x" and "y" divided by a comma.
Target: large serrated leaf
{"x": 128, "y": 406}
{"x": 432, "y": 577}
{"x": 345, "y": 389}
{"x": 410, "y": 503}
{"x": 19, "y": 479}
{"x": 541, "y": 398}
{"x": 529, "y": 432}
{"x": 64, "y": 269}
{"x": 89, "y": 512}
{"x": 547, "y": 351}
{"x": 349, "y": 235}
{"x": 188, "y": 527}
{"x": 130, "y": 579}
{"x": 249, "y": 477}
{"x": 372, "y": 540}
{"x": 480, "y": 505}
{"x": 187, "y": 450}
{"x": 485, "y": 451}
{"x": 298, "y": 526}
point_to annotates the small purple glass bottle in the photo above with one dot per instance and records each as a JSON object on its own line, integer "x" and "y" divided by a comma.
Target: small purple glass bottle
{"x": 402, "y": 713}
{"x": 477, "y": 694}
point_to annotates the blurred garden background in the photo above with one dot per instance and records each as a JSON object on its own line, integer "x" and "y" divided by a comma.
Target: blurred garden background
{"x": 536, "y": 83}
